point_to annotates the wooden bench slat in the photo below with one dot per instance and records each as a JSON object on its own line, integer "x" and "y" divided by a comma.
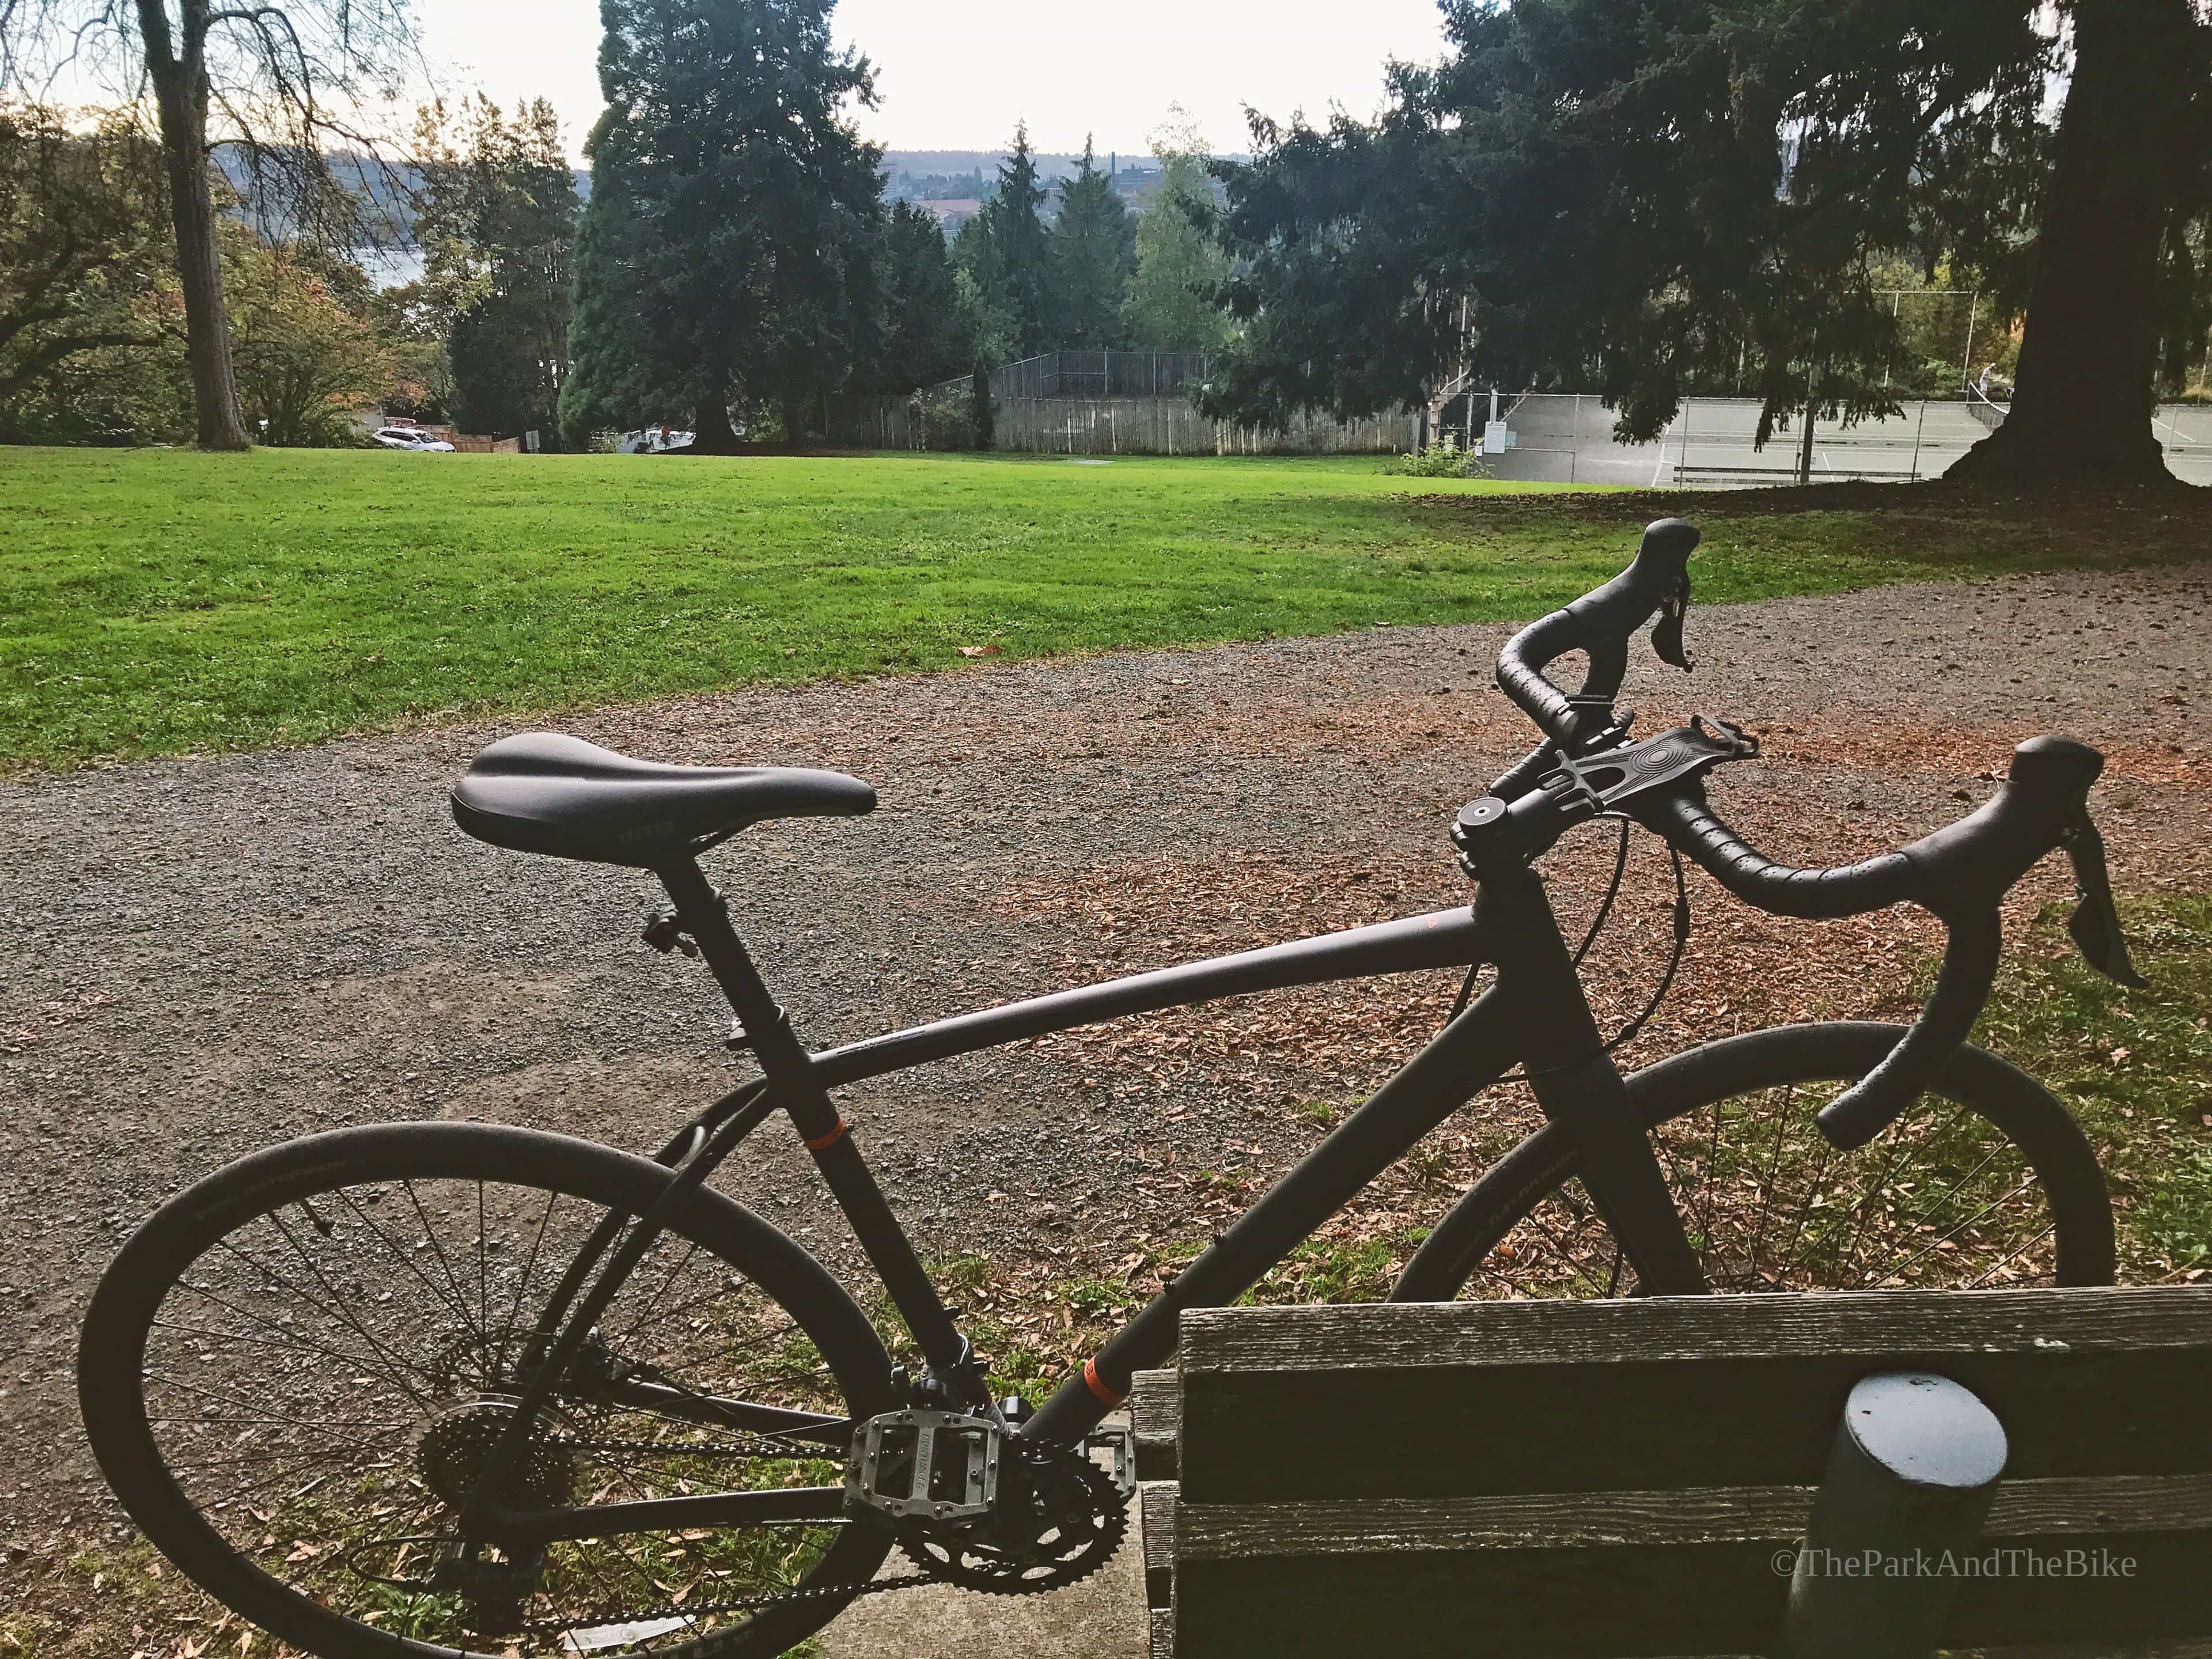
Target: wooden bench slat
{"x": 1157, "y": 1514}
{"x": 2024, "y": 1509}
{"x": 1156, "y": 1416}
{"x": 1626, "y": 1601}
{"x": 1658, "y": 1330}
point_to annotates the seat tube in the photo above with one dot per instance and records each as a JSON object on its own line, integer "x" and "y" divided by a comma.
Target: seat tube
{"x": 796, "y": 1085}
{"x": 1578, "y": 1086}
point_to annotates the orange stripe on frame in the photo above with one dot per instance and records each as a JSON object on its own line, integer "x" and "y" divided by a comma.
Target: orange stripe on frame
{"x": 829, "y": 1139}
{"x": 1106, "y": 1395}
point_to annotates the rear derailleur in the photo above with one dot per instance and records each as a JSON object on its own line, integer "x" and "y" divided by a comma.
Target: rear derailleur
{"x": 977, "y": 1505}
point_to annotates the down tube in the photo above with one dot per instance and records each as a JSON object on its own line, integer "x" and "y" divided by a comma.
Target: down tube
{"x": 1467, "y": 1057}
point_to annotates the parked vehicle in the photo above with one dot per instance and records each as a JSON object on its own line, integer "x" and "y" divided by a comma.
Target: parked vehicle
{"x": 653, "y": 441}
{"x": 412, "y": 437}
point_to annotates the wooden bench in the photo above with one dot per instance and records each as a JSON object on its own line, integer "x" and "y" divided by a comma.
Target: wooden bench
{"x": 1635, "y": 1478}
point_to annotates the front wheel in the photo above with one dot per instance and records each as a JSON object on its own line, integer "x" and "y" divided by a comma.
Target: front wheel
{"x": 1988, "y": 1182}
{"x": 297, "y": 1370}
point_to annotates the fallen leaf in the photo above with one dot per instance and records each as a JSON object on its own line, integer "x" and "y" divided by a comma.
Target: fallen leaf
{"x": 979, "y": 650}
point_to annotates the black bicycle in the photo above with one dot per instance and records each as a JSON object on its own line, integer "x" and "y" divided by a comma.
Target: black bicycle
{"x": 422, "y": 1387}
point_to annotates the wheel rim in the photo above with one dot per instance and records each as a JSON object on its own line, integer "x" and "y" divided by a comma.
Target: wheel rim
{"x": 1946, "y": 1198}
{"x": 321, "y": 1370}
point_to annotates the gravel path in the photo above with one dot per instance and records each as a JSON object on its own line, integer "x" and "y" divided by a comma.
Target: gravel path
{"x": 210, "y": 955}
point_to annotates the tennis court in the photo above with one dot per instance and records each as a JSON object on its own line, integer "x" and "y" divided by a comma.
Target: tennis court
{"x": 1565, "y": 438}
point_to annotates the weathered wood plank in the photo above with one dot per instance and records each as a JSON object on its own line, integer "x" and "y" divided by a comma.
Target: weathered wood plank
{"x": 1668, "y": 1328}
{"x": 1161, "y": 1624}
{"x": 1447, "y": 1431}
{"x": 2078, "y": 1509}
{"x": 1155, "y": 1415}
{"x": 1156, "y": 1516}
{"x": 1621, "y": 1601}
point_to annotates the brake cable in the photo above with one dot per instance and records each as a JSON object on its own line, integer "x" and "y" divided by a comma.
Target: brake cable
{"x": 1629, "y": 1032}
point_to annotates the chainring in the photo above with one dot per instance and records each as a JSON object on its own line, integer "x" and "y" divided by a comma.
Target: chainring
{"x": 1052, "y": 1555}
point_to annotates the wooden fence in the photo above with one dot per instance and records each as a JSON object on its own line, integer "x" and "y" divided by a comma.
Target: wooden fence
{"x": 1098, "y": 426}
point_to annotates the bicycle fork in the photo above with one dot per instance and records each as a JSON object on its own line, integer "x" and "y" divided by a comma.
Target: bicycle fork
{"x": 1580, "y": 1089}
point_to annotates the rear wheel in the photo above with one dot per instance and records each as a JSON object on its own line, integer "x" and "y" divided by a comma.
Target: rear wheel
{"x": 295, "y": 1371}
{"x": 1986, "y": 1183}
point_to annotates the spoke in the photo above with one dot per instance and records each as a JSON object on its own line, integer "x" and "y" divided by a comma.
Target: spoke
{"x": 239, "y": 1494}
{"x": 1987, "y": 1209}
{"x": 483, "y": 1269}
{"x": 460, "y": 1301}
{"x": 393, "y": 1365}
{"x": 353, "y": 1361}
{"x": 223, "y": 1397}
{"x": 669, "y": 1278}
{"x": 522, "y": 1285}
{"x": 1766, "y": 1196}
{"x": 1805, "y": 1205}
{"x": 406, "y": 1259}
{"x": 2015, "y": 1257}
{"x": 1899, "y": 1140}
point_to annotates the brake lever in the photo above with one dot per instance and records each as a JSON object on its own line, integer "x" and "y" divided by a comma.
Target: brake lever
{"x": 1667, "y": 632}
{"x": 2095, "y": 923}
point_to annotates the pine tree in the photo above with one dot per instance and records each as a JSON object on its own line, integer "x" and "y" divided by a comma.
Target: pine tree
{"x": 928, "y": 333}
{"x": 730, "y": 254}
{"x": 1093, "y": 254}
{"x": 1006, "y": 249}
{"x": 1577, "y": 195}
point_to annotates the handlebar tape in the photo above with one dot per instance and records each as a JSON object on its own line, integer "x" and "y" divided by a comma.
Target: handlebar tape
{"x": 1598, "y": 625}
{"x": 1849, "y": 890}
{"x": 1960, "y": 873}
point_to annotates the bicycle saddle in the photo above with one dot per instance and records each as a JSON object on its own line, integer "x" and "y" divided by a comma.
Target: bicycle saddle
{"x": 542, "y": 792}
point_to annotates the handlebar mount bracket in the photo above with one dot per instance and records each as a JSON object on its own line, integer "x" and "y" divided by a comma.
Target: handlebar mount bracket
{"x": 1612, "y": 778}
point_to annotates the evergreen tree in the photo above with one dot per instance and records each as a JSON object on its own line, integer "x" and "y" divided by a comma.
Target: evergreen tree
{"x": 1004, "y": 248}
{"x": 1179, "y": 268}
{"x": 928, "y": 332}
{"x": 497, "y": 227}
{"x": 1581, "y": 195}
{"x": 729, "y": 254}
{"x": 1093, "y": 254}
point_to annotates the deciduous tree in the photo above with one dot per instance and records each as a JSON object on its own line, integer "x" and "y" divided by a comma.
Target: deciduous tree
{"x": 287, "y": 82}
{"x": 84, "y": 265}
{"x": 1174, "y": 303}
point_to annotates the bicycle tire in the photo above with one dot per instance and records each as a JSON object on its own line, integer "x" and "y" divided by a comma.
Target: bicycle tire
{"x": 112, "y": 1360}
{"x": 1496, "y": 1238}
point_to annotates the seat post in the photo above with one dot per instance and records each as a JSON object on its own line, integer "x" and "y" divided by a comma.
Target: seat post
{"x": 797, "y": 1087}
{"x": 783, "y": 1059}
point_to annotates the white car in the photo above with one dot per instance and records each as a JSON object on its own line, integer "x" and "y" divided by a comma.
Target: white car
{"x": 412, "y": 437}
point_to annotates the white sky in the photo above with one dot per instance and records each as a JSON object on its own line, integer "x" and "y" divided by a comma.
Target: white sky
{"x": 957, "y": 74}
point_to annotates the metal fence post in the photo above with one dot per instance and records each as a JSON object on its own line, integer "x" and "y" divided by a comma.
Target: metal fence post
{"x": 1909, "y": 1477}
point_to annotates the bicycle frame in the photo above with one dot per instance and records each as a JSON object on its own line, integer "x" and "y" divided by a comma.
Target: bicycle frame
{"x": 1535, "y": 1016}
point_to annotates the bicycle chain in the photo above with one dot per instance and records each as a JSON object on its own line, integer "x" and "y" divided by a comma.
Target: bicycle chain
{"x": 1111, "y": 1510}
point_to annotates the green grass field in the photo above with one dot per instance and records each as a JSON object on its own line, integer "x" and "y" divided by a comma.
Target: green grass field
{"x": 162, "y": 601}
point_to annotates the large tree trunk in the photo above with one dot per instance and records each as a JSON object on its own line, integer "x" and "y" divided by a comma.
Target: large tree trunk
{"x": 180, "y": 93}
{"x": 712, "y": 433}
{"x": 2086, "y": 391}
